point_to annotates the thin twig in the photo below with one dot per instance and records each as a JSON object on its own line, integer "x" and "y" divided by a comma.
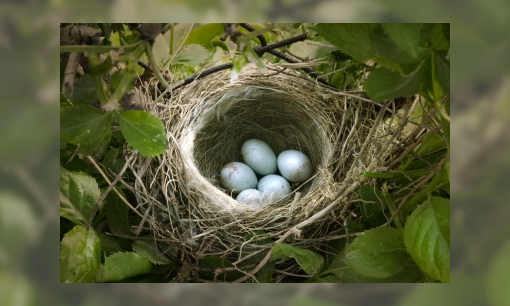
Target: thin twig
{"x": 103, "y": 196}
{"x": 114, "y": 189}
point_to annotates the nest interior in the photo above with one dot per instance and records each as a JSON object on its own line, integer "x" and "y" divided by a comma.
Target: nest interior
{"x": 208, "y": 121}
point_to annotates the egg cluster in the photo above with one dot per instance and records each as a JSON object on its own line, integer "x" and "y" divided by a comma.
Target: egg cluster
{"x": 259, "y": 159}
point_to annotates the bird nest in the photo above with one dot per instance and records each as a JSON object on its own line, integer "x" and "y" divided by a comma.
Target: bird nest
{"x": 207, "y": 122}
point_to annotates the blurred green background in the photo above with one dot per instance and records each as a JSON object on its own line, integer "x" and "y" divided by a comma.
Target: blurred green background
{"x": 29, "y": 148}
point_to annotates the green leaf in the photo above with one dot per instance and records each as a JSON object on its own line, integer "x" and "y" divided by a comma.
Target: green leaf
{"x": 312, "y": 263}
{"x": 161, "y": 50}
{"x": 346, "y": 274}
{"x": 380, "y": 252}
{"x": 441, "y": 37}
{"x": 123, "y": 265}
{"x": 238, "y": 62}
{"x": 441, "y": 74}
{"x": 97, "y": 148}
{"x": 353, "y": 39}
{"x": 84, "y": 124}
{"x": 84, "y": 90}
{"x": 427, "y": 237}
{"x": 79, "y": 193}
{"x": 113, "y": 245}
{"x": 149, "y": 250}
{"x": 210, "y": 265}
{"x": 498, "y": 278}
{"x": 144, "y": 132}
{"x": 413, "y": 38}
{"x": 373, "y": 213}
{"x": 80, "y": 255}
{"x": 204, "y": 34}
{"x": 117, "y": 215}
{"x": 384, "y": 84}
{"x": 192, "y": 55}
{"x": 68, "y": 211}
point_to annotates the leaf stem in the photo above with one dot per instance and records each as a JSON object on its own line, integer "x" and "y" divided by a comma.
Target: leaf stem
{"x": 391, "y": 207}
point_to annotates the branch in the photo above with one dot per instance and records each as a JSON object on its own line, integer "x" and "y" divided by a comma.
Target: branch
{"x": 260, "y": 51}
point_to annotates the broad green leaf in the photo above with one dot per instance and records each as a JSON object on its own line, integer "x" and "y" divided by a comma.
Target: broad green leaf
{"x": 144, "y": 132}
{"x": 84, "y": 90}
{"x": 83, "y": 124}
{"x": 312, "y": 263}
{"x": 441, "y": 37}
{"x": 427, "y": 237}
{"x": 113, "y": 244}
{"x": 383, "y": 84}
{"x": 117, "y": 215}
{"x": 441, "y": 70}
{"x": 204, "y": 34}
{"x": 80, "y": 255}
{"x": 415, "y": 39}
{"x": 161, "y": 50}
{"x": 380, "y": 252}
{"x": 192, "y": 55}
{"x": 212, "y": 266}
{"x": 346, "y": 274}
{"x": 390, "y": 52}
{"x": 79, "y": 190}
{"x": 353, "y": 39}
{"x": 98, "y": 148}
{"x": 238, "y": 62}
{"x": 373, "y": 213}
{"x": 149, "y": 250}
{"x": 68, "y": 211}
{"x": 498, "y": 278}
{"x": 123, "y": 265}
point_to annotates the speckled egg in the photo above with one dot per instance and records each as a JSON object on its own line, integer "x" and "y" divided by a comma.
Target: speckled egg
{"x": 251, "y": 197}
{"x": 237, "y": 177}
{"x": 259, "y": 156}
{"x": 294, "y": 166}
{"x": 274, "y": 187}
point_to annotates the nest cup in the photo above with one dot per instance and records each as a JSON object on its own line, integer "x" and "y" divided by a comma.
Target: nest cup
{"x": 207, "y": 123}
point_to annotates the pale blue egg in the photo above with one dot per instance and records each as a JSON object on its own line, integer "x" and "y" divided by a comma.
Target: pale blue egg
{"x": 237, "y": 177}
{"x": 274, "y": 187}
{"x": 251, "y": 197}
{"x": 259, "y": 156}
{"x": 294, "y": 166}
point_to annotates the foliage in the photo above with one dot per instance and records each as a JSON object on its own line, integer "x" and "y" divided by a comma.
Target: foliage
{"x": 403, "y": 236}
